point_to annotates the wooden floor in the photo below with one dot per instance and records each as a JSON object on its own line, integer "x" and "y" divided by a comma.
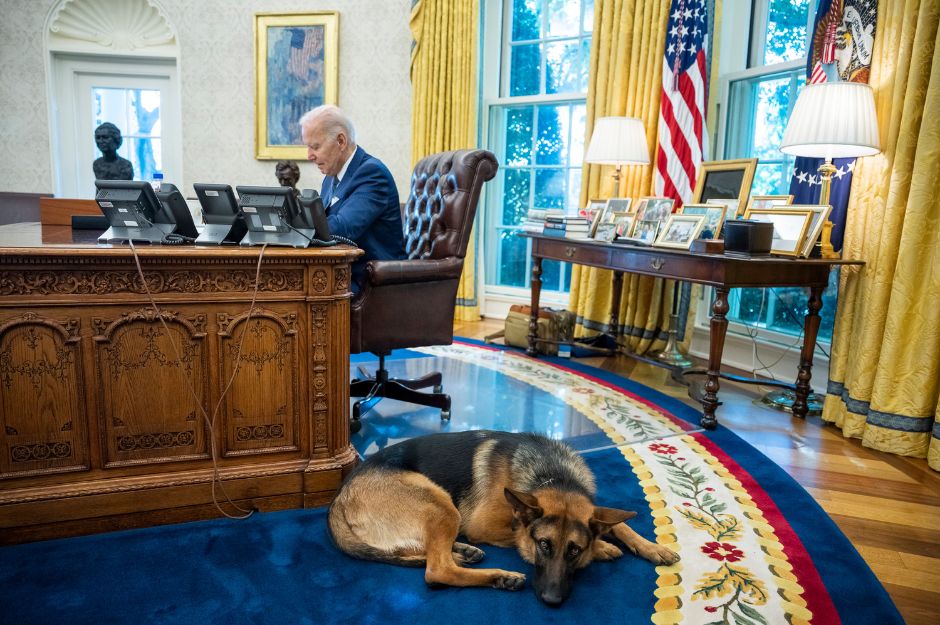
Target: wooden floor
{"x": 888, "y": 506}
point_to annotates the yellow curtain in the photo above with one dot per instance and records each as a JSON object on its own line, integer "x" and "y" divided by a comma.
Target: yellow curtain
{"x": 626, "y": 79}
{"x": 444, "y": 96}
{"x": 885, "y": 370}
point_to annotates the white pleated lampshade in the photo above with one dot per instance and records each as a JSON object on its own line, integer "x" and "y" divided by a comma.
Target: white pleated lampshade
{"x": 833, "y": 120}
{"x": 618, "y": 141}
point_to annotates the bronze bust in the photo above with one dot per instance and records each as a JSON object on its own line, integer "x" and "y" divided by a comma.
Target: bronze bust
{"x": 288, "y": 173}
{"x": 110, "y": 166}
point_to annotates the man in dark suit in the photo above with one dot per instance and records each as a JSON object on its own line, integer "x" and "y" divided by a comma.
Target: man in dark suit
{"x": 359, "y": 194}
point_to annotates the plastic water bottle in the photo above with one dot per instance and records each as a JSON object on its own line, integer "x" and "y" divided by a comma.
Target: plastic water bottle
{"x": 156, "y": 181}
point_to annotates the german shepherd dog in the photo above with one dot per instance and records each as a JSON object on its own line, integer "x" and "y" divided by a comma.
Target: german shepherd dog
{"x": 408, "y": 503}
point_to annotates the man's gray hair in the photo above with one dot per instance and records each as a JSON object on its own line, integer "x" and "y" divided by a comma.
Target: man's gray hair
{"x": 332, "y": 118}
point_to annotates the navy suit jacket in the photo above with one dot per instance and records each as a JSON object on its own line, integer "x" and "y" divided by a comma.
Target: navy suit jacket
{"x": 366, "y": 210}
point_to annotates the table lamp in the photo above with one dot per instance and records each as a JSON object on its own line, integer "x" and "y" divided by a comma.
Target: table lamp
{"x": 618, "y": 141}
{"x": 832, "y": 120}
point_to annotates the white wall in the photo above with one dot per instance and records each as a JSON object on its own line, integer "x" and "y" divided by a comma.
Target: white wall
{"x": 216, "y": 65}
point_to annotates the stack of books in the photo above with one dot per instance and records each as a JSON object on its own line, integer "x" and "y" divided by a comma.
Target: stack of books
{"x": 566, "y": 226}
{"x": 535, "y": 219}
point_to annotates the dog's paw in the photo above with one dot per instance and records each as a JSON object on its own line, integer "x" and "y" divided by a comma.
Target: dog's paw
{"x": 603, "y": 550}
{"x": 657, "y": 554}
{"x": 509, "y": 580}
{"x": 467, "y": 554}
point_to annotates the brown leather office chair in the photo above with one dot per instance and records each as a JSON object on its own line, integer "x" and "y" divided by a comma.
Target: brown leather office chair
{"x": 410, "y": 303}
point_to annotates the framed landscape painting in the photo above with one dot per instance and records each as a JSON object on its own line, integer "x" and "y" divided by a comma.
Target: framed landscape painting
{"x": 296, "y": 61}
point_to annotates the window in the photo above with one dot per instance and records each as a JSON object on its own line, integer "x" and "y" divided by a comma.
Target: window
{"x": 759, "y": 101}
{"x": 535, "y": 95}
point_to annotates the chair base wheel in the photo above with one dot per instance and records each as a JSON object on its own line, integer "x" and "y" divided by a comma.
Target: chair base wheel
{"x": 438, "y": 388}
{"x": 445, "y": 415}
{"x": 354, "y": 425}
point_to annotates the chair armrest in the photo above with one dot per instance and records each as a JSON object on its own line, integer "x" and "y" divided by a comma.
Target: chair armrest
{"x": 381, "y": 272}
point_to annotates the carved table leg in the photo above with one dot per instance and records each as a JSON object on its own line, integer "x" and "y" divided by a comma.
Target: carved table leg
{"x": 536, "y": 287}
{"x": 616, "y": 288}
{"x": 716, "y": 344}
{"x": 810, "y": 330}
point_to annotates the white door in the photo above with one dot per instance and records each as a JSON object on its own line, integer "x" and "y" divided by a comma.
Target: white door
{"x": 139, "y": 96}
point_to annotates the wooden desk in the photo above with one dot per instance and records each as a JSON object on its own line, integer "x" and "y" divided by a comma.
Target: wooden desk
{"x": 722, "y": 271}
{"x": 102, "y": 405}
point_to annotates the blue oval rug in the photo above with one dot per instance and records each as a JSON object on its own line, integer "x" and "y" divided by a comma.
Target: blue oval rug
{"x": 755, "y": 547}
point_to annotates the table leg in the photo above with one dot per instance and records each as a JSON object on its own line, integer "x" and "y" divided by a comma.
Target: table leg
{"x": 616, "y": 288}
{"x": 536, "y": 287}
{"x": 810, "y": 330}
{"x": 716, "y": 344}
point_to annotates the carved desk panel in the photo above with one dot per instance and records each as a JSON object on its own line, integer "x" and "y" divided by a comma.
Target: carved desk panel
{"x": 110, "y": 408}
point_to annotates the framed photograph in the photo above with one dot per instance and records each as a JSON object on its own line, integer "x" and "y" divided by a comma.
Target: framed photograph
{"x": 725, "y": 182}
{"x": 606, "y": 232}
{"x": 680, "y": 230}
{"x": 655, "y": 209}
{"x": 296, "y": 61}
{"x": 714, "y": 217}
{"x": 624, "y": 223}
{"x": 820, "y": 215}
{"x": 769, "y": 201}
{"x": 646, "y": 231}
{"x": 618, "y": 205}
{"x": 790, "y": 227}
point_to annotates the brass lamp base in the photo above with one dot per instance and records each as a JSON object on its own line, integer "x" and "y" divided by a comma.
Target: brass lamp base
{"x": 670, "y": 355}
{"x": 826, "y": 171}
{"x": 783, "y": 400}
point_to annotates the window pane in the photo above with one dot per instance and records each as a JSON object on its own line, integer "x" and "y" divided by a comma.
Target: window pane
{"x": 551, "y": 275}
{"x": 585, "y": 65}
{"x": 552, "y": 144}
{"x": 145, "y": 154}
{"x": 519, "y": 136}
{"x": 562, "y": 67}
{"x": 574, "y": 190}
{"x": 578, "y": 123}
{"x": 550, "y": 188}
{"x": 771, "y": 113}
{"x": 785, "y": 39}
{"x": 588, "y": 24}
{"x": 526, "y": 19}
{"x": 771, "y": 179}
{"x": 515, "y": 196}
{"x": 563, "y": 18}
{"x": 525, "y": 70}
{"x": 512, "y": 259}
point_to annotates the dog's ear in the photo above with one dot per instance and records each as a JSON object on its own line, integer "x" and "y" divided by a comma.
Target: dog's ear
{"x": 524, "y": 506}
{"x": 606, "y": 518}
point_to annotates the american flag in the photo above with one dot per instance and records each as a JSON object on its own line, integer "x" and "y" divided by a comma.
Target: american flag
{"x": 682, "y": 106}
{"x": 305, "y": 45}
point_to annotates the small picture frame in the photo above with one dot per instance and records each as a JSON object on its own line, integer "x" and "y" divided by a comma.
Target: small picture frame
{"x": 680, "y": 230}
{"x": 714, "y": 217}
{"x": 645, "y": 231}
{"x": 768, "y": 201}
{"x": 726, "y": 182}
{"x": 655, "y": 209}
{"x": 606, "y": 232}
{"x": 624, "y": 223}
{"x": 790, "y": 227}
{"x": 618, "y": 205}
{"x": 820, "y": 215}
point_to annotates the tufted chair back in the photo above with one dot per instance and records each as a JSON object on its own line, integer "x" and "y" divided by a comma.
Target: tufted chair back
{"x": 410, "y": 303}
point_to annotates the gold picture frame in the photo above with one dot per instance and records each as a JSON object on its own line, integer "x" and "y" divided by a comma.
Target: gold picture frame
{"x": 714, "y": 216}
{"x": 790, "y": 228}
{"x": 725, "y": 182}
{"x": 814, "y": 230}
{"x": 680, "y": 230}
{"x": 768, "y": 201}
{"x": 296, "y": 69}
